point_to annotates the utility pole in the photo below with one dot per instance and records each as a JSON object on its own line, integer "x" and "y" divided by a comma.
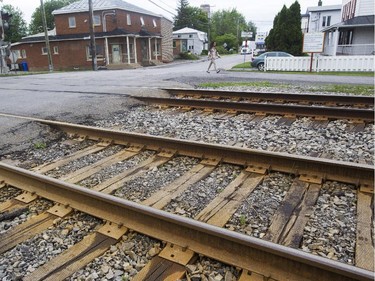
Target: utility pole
{"x": 50, "y": 64}
{"x": 92, "y": 37}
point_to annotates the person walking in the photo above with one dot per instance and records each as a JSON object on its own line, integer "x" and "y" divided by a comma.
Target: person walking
{"x": 212, "y": 56}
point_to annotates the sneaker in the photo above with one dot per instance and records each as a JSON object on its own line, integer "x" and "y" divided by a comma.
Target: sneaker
{"x": 207, "y": 71}
{"x": 218, "y": 71}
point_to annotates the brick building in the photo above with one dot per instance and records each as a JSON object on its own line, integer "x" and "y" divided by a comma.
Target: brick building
{"x": 125, "y": 36}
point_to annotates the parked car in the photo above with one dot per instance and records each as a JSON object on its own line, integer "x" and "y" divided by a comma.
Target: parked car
{"x": 259, "y": 60}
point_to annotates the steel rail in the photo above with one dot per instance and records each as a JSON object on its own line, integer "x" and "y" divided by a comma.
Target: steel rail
{"x": 326, "y": 169}
{"x": 256, "y": 255}
{"x": 267, "y": 108}
{"x": 313, "y": 98}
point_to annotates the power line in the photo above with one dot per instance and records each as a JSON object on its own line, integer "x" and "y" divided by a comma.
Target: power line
{"x": 167, "y": 5}
{"x": 162, "y": 8}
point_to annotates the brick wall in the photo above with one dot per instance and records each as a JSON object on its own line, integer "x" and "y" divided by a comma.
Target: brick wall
{"x": 112, "y": 22}
{"x": 167, "y": 40}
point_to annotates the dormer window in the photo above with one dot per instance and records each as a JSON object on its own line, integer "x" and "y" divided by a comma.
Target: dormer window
{"x": 142, "y": 21}
{"x": 72, "y": 22}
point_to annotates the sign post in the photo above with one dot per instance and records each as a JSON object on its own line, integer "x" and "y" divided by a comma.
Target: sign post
{"x": 245, "y": 34}
{"x": 313, "y": 43}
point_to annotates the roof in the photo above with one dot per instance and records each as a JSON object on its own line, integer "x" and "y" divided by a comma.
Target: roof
{"x": 187, "y": 30}
{"x": 100, "y": 5}
{"x": 361, "y": 21}
{"x": 323, "y": 8}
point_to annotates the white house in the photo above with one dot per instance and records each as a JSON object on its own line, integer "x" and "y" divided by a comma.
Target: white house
{"x": 189, "y": 39}
{"x": 354, "y": 35}
{"x": 320, "y": 17}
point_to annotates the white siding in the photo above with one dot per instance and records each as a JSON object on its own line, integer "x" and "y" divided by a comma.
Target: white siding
{"x": 365, "y": 8}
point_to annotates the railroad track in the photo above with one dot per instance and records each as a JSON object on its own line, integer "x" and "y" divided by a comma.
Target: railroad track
{"x": 185, "y": 238}
{"x": 321, "y": 107}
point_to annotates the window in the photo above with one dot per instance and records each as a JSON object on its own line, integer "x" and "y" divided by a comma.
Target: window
{"x": 326, "y": 21}
{"x": 23, "y": 53}
{"x": 346, "y": 37}
{"x": 157, "y": 50}
{"x": 17, "y": 54}
{"x": 190, "y": 35}
{"x": 72, "y": 22}
{"x": 142, "y": 21}
{"x": 154, "y": 23}
{"x": 55, "y": 50}
{"x": 97, "y": 20}
{"x": 174, "y": 44}
{"x": 128, "y": 19}
{"x": 44, "y": 51}
{"x": 99, "y": 52}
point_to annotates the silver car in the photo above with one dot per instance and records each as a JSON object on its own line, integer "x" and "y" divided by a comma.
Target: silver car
{"x": 259, "y": 60}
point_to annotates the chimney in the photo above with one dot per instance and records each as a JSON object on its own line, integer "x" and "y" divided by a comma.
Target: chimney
{"x": 320, "y": 3}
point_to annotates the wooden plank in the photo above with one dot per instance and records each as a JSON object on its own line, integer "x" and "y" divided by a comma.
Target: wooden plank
{"x": 11, "y": 205}
{"x": 159, "y": 269}
{"x": 221, "y": 209}
{"x": 284, "y": 212}
{"x": 119, "y": 180}
{"x": 294, "y": 229}
{"x": 63, "y": 161}
{"x": 73, "y": 259}
{"x": 364, "y": 251}
{"x": 25, "y": 231}
{"x": 252, "y": 276}
{"x": 161, "y": 198}
{"x": 88, "y": 171}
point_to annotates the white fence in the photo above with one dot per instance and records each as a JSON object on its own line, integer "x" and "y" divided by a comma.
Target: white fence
{"x": 321, "y": 63}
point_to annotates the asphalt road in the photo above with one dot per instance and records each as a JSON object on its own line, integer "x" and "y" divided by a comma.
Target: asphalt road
{"x": 83, "y": 96}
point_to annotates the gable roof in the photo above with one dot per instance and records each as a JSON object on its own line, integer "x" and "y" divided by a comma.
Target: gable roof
{"x": 187, "y": 30}
{"x": 323, "y": 8}
{"x": 100, "y": 5}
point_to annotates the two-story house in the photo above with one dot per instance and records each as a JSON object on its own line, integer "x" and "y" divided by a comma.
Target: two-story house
{"x": 319, "y": 17}
{"x": 189, "y": 40}
{"x": 125, "y": 35}
{"x": 354, "y": 35}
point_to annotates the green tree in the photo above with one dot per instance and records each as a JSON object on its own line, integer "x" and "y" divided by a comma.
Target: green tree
{"x": 17, "y": 24}
{"x": 230, "y": 22}
{"x": 36, "y": 24}
{"x": 182, "y": 19}
{"x": 188, "y": 16}
{"x": 286, "y": 34}
{"x": 226, "y": 42}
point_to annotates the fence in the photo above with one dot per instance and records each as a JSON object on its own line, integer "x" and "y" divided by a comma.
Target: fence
{"x": 321, "y": 63}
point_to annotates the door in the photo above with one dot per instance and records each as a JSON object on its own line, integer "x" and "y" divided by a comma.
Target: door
{"x": 144, "y": 49}
{"x": 116, "y": 53}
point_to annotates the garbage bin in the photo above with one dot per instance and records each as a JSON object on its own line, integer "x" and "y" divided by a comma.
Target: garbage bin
{"x": 20, "y": 66}
{"x": 25, "y": 66}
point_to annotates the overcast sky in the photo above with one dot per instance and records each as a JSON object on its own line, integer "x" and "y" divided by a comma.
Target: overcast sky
{"x": 261, "y": 12}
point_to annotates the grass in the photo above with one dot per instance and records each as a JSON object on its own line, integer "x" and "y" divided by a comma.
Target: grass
{"x": 39, "y": 145}
{"x": 367, "y": 90}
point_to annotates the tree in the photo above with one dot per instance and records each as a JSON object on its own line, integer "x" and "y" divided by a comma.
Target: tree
{"x": 188, "y": 16}
{"x": 226, "y": 42}
{"x": 182, "y": 18}
{"x": 286, "y": 34}
{"x": 17, "y": 25}
{"x": 230, "y": 22}
{"x": 36, "y": 25}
